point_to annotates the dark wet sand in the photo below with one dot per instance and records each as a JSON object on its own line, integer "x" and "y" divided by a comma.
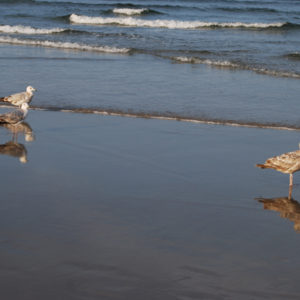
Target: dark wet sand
{"x": 123, "y": 208}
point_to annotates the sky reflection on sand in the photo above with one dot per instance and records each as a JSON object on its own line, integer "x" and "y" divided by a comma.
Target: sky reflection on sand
{"x": 130, "y": 208}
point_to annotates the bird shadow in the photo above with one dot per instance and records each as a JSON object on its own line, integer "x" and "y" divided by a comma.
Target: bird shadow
{"x": 287, "y": 207}
{"x": 13, "y": 147}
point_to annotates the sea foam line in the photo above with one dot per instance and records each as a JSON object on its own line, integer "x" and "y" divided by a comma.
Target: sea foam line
{"x": 171, "y": 24}
{"x": 63, "y": 45}
{"x": 207, "y": 121}
{"x": 28, "y": 30}
{"x": 167, "y": 117}
{"x": 216, "y": 63}
{"x": 130, "y": 11}
{"x": 232, "y": 65}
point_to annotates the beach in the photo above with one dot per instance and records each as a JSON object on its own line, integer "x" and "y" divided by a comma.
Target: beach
{"x": 133, "y": 176}
{"x": 127, "y": 208}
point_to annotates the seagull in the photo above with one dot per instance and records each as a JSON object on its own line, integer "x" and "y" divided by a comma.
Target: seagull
{"x": 15, "y": 116}
{"x": 287, "y": 163}
{"x": 14, "y": 149}
{"x": 19, "y": 98}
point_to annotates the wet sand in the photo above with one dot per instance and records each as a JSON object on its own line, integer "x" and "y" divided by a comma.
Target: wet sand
{"x": 124, "y": 208}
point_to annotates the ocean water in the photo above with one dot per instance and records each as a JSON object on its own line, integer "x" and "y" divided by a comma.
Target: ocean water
{"x": 228, "y": 61}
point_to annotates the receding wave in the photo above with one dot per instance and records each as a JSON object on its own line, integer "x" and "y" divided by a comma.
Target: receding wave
{"x": 63, "y": 45}
{"x": 234, "y": 65}
{"x": 171, "y": 24}
{"x": 196, "y": 60}
{"x": 170, "y": 117}
{"x": 28, "y": 30}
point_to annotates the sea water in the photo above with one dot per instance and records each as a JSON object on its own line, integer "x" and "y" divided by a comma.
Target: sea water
{"x": 228, "y": 61}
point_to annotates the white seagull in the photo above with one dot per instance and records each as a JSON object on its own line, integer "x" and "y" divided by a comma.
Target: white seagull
{"x": 19, "y": 98}
{"x": 15, "y": 116}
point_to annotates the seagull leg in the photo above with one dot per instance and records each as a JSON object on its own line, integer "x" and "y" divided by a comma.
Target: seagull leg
{"x": 291, "y": 179}
{"x": 291, "y": 186}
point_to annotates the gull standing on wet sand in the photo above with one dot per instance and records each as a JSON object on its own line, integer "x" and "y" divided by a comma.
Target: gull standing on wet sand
{"x": 15, "y": 116}
{"x": 19, "y": 98}
{"x": 287, "y": 163}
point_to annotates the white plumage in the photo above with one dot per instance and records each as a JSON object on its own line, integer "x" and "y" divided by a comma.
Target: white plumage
{"x": 20, "y": 98}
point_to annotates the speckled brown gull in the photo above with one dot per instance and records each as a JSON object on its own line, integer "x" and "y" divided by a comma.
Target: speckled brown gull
{"x": 20, "y": 98}
{"x": 288, "y": 163}
{"x": 15, "y": 116}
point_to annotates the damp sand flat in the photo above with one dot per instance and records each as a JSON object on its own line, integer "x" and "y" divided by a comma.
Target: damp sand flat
{"x": 124, "y": 208}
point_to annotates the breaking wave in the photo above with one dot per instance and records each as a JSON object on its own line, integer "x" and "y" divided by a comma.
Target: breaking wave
{"x": 130, "y": 11}
{"x": 63, "y": 45}
{"x": 28, "y": 30}
{"x": 233, "y": 65}
{"x": 171, "y": 24}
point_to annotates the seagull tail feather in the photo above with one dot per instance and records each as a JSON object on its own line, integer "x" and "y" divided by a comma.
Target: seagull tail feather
{"x": 262, "y": 166}
{"x": 3, "y": 99}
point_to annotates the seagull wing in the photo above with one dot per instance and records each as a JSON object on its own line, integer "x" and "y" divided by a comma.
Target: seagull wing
{"x": 286, "y": 163}
{"x": 12, "y": 117}
{"x": 17, "y": 99}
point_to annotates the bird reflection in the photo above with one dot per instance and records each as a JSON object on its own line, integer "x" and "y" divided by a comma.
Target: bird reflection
{"x": 286, "y": 206}
{"x": 21, "y": 128}
{"x": 12, "y": 147}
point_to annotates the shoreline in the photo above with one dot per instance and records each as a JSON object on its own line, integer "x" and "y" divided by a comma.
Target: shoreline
{"x": 117, "y": 113}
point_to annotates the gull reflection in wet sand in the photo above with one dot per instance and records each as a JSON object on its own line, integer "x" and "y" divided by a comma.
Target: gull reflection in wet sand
{"x": 286, "y": 206}
{"x": 12, "y": 147}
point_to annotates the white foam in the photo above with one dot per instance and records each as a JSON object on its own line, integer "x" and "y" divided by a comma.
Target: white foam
{"x": 216, "y": 63}
{"x": 169, "y": 118}
{"x": 129, "y": 11}
{"x": 63, "y": 45}
{"x": 228, "y": 64}
{"x": 171, "y": 24}
{"x": 276, "y": 73}
{"x": 28, "y": 30}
